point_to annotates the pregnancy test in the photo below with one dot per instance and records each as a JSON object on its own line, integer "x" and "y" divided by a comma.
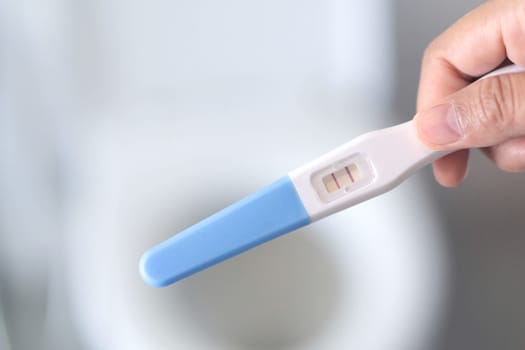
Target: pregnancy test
{"x": 361, "y": 169}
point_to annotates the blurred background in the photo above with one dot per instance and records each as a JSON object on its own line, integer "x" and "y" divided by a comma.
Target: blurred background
{"x": 123, "y": 122}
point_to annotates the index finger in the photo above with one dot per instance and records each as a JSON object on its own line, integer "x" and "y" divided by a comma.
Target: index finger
{"x": 476, "y": 44}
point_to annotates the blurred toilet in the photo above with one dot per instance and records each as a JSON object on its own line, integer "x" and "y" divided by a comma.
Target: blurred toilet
{"x": 369, "y": 278}
{"x": 209, "y": 101}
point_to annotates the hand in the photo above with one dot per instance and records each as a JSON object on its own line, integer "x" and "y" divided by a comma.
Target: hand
{"x": 453, "y": 112}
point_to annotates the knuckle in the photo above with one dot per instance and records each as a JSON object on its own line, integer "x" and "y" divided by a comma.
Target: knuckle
{"x": 493, "y": 106}
{"x": 496, "y": 102}
{"x": 430, "y": 53}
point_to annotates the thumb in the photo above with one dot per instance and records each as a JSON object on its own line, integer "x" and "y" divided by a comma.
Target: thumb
{"x": 485, "y": 113}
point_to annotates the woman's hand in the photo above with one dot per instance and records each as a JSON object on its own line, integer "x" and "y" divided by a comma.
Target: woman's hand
{"x": 453, "y": 112}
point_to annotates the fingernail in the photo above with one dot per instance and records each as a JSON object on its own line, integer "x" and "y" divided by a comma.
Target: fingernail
{"x": 440, "y": 125}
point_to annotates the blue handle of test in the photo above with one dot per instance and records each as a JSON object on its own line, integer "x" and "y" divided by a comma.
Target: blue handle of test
{"x": 260, "y": 217}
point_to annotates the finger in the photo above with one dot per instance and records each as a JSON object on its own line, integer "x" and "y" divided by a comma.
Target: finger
{"x": 508, "y": 156}
{"x": 451, "y": 169}
{"x": 476, "y": 44}
{"x": 485, "y": 113}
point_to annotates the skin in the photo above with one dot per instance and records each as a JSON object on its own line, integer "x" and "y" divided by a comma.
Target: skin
{"x": 456, "y": 112}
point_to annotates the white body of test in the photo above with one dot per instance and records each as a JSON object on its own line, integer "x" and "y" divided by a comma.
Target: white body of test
{"x": 369, "y": 165}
